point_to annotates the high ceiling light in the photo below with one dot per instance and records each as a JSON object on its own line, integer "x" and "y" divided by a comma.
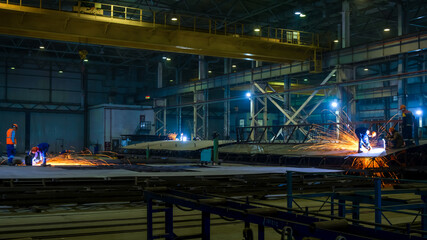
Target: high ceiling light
{"x": 86, "y": 60}
{"x": 305, "y": 80}
{"x": 171, "y": 80}
{"x": 13, "y": 68}
{"x": 60, "y": 71}
{"x": 168, "y": 59}
{"x": 297, "y": 13}
{"x": 233, "y": 66}
{"x": 336, "y": 40}
{"x": 257, "y": 29}
{"x": 164, "y": 58}
{"x": 366, "y": 69}
{"x": 174, "y": 19}
{"x": 209, "y": 71}
{"x": 41, "y": 47}
{"x": 386, "y": 29}
{"x": 302, "y": 15}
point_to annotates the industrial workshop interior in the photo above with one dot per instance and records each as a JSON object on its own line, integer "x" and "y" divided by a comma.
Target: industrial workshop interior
{"x": 213, "y": 119}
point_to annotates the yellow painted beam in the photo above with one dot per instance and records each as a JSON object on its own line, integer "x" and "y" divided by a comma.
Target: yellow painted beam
{"x": 91, "y": 29}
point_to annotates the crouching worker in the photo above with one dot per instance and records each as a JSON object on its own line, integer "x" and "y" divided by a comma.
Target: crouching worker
{"x": 364, "y": 134}
{"x": 394, "y": 138}
{"x": 39, "y": 152}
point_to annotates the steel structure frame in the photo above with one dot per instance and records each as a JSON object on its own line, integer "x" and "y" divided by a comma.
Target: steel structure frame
{"x": 160, "y": 116}
{"x": 289, "y": 222}
{"x": 200, "y": 115}
{"x": 309, "y": 131}
{"x": 412, "y": 43}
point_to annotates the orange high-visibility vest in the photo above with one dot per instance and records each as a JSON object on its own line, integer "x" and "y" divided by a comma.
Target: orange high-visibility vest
{"x": 9, "y": 137}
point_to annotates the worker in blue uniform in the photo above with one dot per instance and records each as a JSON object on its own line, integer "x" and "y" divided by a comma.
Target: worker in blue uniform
{"x": 364, "y": 134}
{"x": 11, "y": 143}
{"x": 40, "y": 152}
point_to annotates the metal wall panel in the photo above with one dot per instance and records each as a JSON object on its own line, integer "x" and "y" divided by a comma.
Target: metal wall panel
{"x": 96, "y": 127}
{"x": 57, "y": 129}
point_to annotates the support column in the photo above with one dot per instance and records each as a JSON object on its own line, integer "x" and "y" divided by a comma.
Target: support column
{"x": 164, "y": 120}
{"x": 252, "y": 110}
{"x": 227, "y": 65}
{"x": 160, "y": 116}
{"x": 345, "y": 23}
{"x": 377, "y": 200}
{"x": 402, "y": 19}
{"x": 227, "y": 112}
{"x": 401, "y": 84}
{"x": 84, "y": 103}
{"x": 203, "y": 73}
{"x": 27, "y": 130}
{"x": 387, "y": 100}
{"x": 286, "y": 96}
{"x": 178, "y": 115}
{"x": 205, "y": 115}
{"x": 346, "y": 95}
{"x": 199, "y": 114}
{"x": 265, "y": 118}
{"x": 160, "y": 75}
{"x": 194, "y": 115}
{"x": 5, "y": 80}
{"x": 50, "y": 82}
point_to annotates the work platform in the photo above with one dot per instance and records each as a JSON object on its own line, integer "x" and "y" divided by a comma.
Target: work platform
{"x": 152, "y": 170}
{"x": 170, "y": 145}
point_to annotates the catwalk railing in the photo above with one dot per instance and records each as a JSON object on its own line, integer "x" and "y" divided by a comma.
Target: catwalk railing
{"x": 176, "y": 21}
{"x": 298, "y": 221}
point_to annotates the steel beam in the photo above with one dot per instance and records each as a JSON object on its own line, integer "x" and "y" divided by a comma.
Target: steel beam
{"x": 345, "y": 23}
{"x": 92, "y": 29}
{"x": 367, "y": 52}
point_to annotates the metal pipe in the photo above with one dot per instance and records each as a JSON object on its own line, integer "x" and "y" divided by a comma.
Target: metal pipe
{"x": 378, "y": 211}
{"x": 289, "y": 198}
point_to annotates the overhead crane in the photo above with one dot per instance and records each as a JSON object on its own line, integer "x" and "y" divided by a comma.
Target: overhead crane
{"x": 120, "y": 26}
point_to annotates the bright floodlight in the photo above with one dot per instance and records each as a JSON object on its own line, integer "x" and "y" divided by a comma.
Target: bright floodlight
{"x": 297, "y": 13}
{"x": 334, "y": 104}
{"x": 184, "y": 138}
{"x": 248, "y": 94}
{"x": 419, "y": 112}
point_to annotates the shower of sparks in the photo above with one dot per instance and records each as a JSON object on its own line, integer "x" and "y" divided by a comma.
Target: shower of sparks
{"x": 336, "y": 137}
{"x": 172, "y": 136}
{"x": 84, "y": 158}
{"x": 379, "y": 166}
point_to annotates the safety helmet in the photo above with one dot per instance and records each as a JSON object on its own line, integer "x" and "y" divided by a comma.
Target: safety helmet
{"x": 34, "y": 149}
{"x": 15, "y": 125}
{"x": 391, "y": 129}
{"x": 402, "y": 107}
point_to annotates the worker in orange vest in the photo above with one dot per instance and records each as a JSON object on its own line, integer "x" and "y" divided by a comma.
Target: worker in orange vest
{"x": 11, "y": 143}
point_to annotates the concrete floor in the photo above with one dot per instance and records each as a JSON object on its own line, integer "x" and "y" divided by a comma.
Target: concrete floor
{"x": 28, "y": 172}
